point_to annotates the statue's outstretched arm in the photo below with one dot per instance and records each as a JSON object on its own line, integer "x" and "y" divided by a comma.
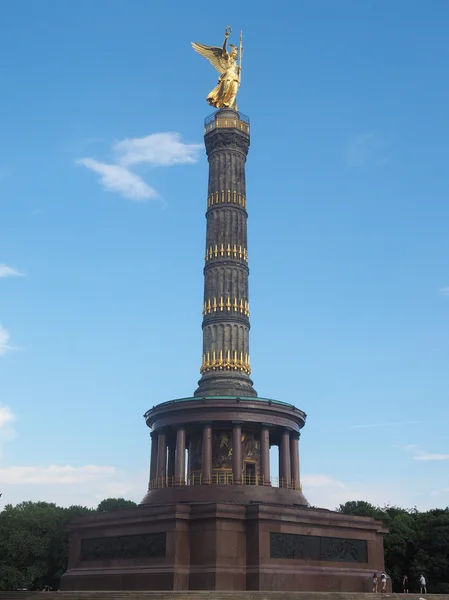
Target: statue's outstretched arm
{"x": 227, "y": 34}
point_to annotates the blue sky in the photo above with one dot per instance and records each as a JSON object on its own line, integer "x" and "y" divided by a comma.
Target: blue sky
{"x": 102, "y": 237}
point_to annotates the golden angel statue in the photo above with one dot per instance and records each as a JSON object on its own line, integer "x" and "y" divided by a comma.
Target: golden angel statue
{"x": 224, "y": 94}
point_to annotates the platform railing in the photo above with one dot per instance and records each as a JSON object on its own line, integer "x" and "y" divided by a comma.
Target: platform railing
{"x": 223, "y": 479}
{"x": 216, "y": 115}
{"x": 217, "y": 121}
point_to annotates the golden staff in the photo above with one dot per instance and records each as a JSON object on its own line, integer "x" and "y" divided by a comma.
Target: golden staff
{"x": 241, "y": 54}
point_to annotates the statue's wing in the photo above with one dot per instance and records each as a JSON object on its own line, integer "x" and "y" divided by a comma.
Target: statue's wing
{"x": 213, "y": 54}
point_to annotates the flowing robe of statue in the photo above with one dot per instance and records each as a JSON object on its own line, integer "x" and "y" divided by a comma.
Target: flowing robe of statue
{"x": 225, "y": 93}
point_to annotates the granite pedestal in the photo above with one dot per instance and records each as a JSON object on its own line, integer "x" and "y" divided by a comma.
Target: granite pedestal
{"x": 224, "y": 546}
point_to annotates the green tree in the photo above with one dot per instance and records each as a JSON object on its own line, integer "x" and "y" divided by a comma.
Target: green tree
{"x": 111, "y": 504}
{"x": 33, "y": 541}
{"x": 416, "y": 542}
{"x": 432, "y": 550}
{"x": 360, "y": 508}
{"x": 33, "y": 544}
{"x": 399, "y": 544}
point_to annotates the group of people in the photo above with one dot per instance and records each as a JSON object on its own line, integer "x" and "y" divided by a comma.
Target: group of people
{"x": 405, "y": 583}
{"x": 383, "y": 579}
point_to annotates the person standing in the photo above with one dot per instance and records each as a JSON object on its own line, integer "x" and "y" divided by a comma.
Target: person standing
{"x": 383, "y": 579}
{"x": 405, "y": 584}
{"x": 375, "y": 582}
{"x": 423, "y": 584}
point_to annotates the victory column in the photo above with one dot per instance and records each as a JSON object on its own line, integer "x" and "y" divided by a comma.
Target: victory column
{"x": 213, "y": 517}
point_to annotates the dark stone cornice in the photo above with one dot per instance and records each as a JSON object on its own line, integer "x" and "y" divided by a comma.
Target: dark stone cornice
{"x": 227, "y": 139}
{"x": 226, "y": 205}
{"x": 224, "y": 317}
{"x": 225, "y": 262}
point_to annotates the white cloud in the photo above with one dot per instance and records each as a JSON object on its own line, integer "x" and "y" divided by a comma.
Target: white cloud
{"x": 64, "y": 484}
{"x": 4, "y": 341}
{"x": 363, "y": 148}
{"x": 326, "y": 491}
{"x": 419, "y": 454}
{"x": 444, "y": 490}
{"x": 6, "y": 416}
{"x": 431, "y": 456}
{"x": 6, "y": 271}
{"x": 368, "y": 426}
{"x": 89, "y": 484}
{"x": 63, "y": 475}
{"x": 157, "y": 150}
{"x": 115, "y": 178}
{"x": 445, "y": 290}
{"x": 321, "y": 481}
{"x": 67, "y": 485}
{"x": 7, "y": 432}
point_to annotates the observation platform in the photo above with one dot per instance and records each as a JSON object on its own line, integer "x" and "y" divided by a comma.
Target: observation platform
{"x": 227, "y": 119}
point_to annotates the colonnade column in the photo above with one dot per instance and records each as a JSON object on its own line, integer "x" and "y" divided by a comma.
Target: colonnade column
{"x": 180, "y": 457}
{"x": 206, "y": 465}
{"x": 265, "y": 454}
{"x": 189, "y": 463}
{"x": 171, "y": 462}
{"x": 162, "y": 458}
{"x": 153, "y": 459}
{"x": 284, "y": 459}
{"x": 294, "y": 458}
{"x": 237, "y": 453}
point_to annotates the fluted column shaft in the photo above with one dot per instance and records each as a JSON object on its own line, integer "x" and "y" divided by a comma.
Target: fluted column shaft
{"x": 226, "y": 362}
{"x": 284, "y": 456}
{"x": 153, "y": 459}
{"x": 171, "y": 463}
{"x": 237, "y": 453}
{"x": 265, "y": 454}
{"x": 162, "y": 458}
{"x": 206, "y": 465}
{"x": 180, "y": 457}
{"x": 294, "y": 459}
{"x": 189, "y": 462}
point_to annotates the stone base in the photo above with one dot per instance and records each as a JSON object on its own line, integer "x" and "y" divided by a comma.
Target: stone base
{"x": 210, "y": 595}
{"x": 226, "y": 494}
{"x": 224, "y": 546}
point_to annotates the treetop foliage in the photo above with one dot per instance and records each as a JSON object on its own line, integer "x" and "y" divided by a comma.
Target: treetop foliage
{"x": 417, "y": 542}
{"x": 33, "y": 541}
